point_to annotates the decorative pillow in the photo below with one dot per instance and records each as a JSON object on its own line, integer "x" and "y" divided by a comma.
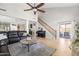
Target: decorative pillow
{"x": 24, "y": 34}
{"x": 2, "y": 36}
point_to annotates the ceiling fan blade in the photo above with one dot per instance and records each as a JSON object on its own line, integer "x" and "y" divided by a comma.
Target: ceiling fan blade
{"x": 29, "y": 5}
{"x": 27, "y": 9}
{"x": 2, "y": 9}
{"x": 40, "y": 5}
{"x": 41, "y": 10}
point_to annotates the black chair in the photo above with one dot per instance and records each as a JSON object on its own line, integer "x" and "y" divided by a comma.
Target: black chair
{"x": 41, "y": 33}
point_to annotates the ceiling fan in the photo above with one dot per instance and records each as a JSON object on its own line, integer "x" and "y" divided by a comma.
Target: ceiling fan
{"x": 2, "y": 9}
{"x": 35, "y": 8}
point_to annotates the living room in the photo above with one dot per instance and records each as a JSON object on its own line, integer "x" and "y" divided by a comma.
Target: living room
{"x": 29, "y": 33}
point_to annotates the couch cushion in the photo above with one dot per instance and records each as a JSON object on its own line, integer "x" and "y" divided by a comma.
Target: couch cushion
{"x": 4, "y": 51}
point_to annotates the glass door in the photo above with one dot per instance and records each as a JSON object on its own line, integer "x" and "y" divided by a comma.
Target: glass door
{"x": 64, "y": 31}
{"x": 4, "y": 26}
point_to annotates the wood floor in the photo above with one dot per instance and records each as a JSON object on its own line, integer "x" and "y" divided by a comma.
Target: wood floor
{"x": 61, "y": 46}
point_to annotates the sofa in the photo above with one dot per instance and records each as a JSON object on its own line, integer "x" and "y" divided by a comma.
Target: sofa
{"x": 16, "y": 36}
{"x": 12, "y": 37}
{"x": 4, "y": 51}
{"x": 3, "y": 45}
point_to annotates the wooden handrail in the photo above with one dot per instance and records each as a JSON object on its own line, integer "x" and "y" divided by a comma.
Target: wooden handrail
{"x": 50, "y": 29}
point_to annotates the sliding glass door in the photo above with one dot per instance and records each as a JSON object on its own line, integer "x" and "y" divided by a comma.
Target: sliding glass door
{"x": 64, "y": 31}
{"x": 4, "y": 26}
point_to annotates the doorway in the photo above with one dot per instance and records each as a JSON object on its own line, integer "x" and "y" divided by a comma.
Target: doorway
{"x": 65, "y": 31}
{"x": 32, "y": 28}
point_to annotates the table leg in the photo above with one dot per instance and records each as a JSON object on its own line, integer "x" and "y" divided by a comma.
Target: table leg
{"x": 28, "y": 47}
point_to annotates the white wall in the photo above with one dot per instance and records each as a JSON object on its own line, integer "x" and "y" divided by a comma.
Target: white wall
{"x": 54, "y": 16}
{"x": 11, "y": 20}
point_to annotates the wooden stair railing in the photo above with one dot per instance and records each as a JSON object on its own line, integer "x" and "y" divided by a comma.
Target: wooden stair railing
{"x": 45, "y": 25}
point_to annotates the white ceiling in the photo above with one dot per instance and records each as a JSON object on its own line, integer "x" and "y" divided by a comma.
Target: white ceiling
{"x": 51, "y": 5}
{"x": 47, "y": 5}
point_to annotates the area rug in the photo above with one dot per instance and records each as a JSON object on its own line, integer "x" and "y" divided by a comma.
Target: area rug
{"x": 35, "y": 50}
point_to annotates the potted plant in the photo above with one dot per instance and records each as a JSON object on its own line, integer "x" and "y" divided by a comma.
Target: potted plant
{"x": 75, "y": 43}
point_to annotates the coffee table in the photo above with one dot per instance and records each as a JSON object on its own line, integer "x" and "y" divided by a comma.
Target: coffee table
{"x": 28, "y": 43}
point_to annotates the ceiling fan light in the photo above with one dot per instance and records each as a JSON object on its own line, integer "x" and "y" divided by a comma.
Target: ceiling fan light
{"x": 35, "y": 10}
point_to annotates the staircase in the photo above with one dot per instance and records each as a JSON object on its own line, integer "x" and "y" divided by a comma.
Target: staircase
{"x": 47, "y": 27}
